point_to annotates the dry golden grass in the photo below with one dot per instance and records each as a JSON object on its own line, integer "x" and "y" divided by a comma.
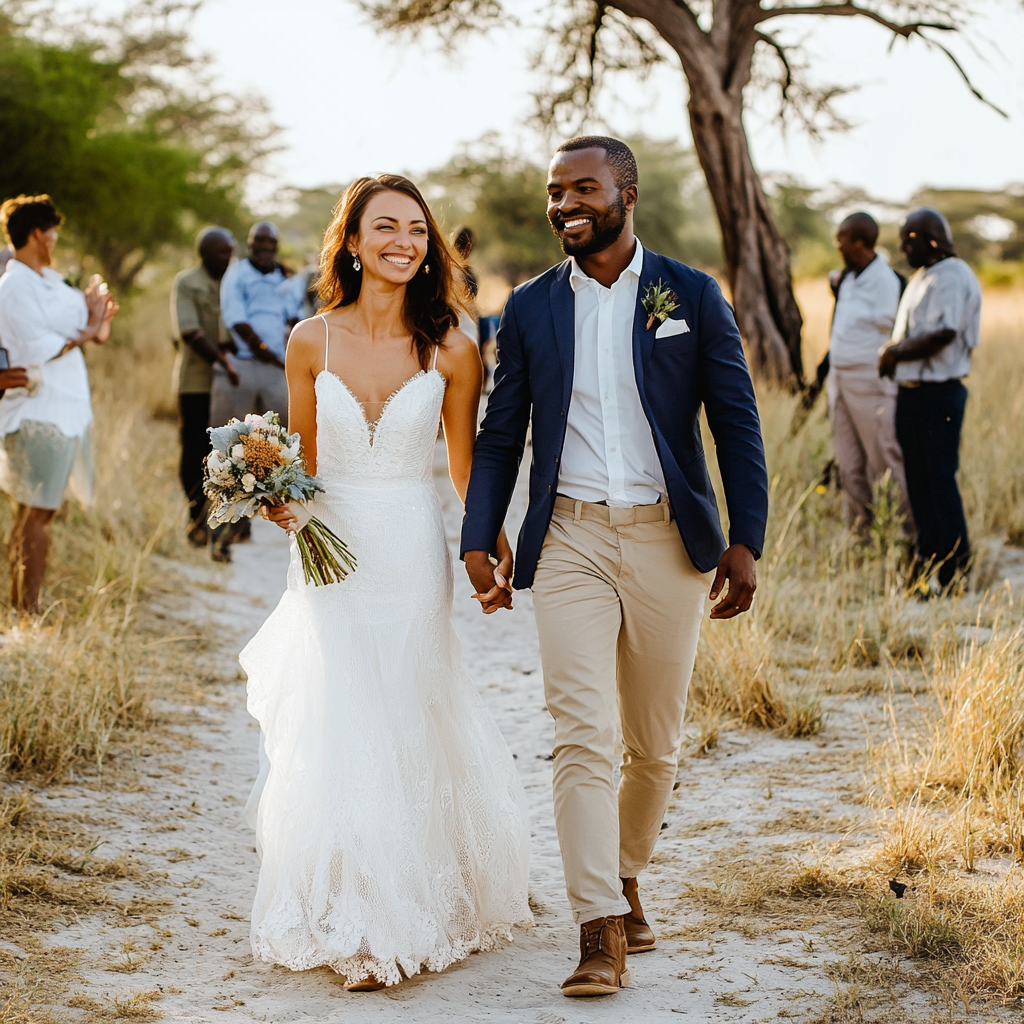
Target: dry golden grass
{"x": 947, "y": 729}
{"x": 77, "y": 683}
{"x": 33, "y": 979}
{"x": 74, "y": 678}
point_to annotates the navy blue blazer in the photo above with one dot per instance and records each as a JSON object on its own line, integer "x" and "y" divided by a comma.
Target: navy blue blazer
{"x": 675, "y": 375}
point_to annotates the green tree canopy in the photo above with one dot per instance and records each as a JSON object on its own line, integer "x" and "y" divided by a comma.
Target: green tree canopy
{"x": 123, "y": 128}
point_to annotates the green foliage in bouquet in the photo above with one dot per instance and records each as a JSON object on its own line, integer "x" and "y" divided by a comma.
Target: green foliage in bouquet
{"x": 256, "y": 461}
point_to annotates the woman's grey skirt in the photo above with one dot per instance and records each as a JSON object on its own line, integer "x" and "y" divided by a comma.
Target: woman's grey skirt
{"x": 37, "y": 462}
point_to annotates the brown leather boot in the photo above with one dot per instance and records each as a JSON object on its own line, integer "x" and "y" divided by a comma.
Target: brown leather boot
{"x": 602, "y": 970}
{"x": 639, "y": 937}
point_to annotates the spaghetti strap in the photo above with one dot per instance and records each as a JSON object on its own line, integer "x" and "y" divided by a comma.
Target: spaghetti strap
{"x": 327, "y": 339}
{"x": 437, "y": 349}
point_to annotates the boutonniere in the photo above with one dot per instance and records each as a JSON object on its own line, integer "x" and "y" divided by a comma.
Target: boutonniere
{"x": 658, "y": 302}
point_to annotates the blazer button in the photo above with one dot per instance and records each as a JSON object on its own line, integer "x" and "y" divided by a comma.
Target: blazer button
{"x": 556, "y": 460}
{"x": 549, "y": 488}
{"x": 563, "y": 412}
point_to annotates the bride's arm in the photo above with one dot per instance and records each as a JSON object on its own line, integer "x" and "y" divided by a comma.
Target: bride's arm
{"x": 460, "y": 363}
{"x": 305, "y": 354}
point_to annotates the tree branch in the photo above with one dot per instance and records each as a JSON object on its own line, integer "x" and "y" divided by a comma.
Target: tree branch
{"x": 912, "y": 28}
{"x": 851, "y": 10}
{"x": 780, "y": 51}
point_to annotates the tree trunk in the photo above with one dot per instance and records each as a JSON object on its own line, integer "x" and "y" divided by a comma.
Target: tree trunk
{"x": 717, "y": 64}
{"x": 756, "y": 255}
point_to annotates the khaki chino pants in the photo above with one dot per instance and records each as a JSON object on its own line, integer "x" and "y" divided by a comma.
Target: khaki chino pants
{"x": 262, "y": 387}
{"x": 862, "y": 407}
{"x": 619, "y": 608}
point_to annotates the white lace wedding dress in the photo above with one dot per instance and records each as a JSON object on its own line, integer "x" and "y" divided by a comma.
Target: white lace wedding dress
{"x": 391, "y": 823}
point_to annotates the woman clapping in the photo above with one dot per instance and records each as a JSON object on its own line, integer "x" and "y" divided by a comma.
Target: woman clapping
{"x": 44, "y": 426}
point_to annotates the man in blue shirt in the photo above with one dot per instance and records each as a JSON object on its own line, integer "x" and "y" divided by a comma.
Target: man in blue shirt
{"x": 258, "y": 308}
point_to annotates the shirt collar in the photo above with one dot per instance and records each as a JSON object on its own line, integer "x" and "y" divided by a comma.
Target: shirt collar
{"x": 47, "y": 276}
{"x": 578, "y": 279}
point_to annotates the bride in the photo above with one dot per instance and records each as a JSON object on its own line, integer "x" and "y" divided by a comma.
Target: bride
{"x": 391, "y": 821}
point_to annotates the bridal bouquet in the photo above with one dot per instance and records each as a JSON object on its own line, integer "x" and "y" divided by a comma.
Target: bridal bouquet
{"x": 256, "y": 462}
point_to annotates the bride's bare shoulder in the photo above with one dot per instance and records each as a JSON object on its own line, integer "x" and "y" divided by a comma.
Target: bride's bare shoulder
{"x": 307, "y": 340}
{"x": 459, "y": 348}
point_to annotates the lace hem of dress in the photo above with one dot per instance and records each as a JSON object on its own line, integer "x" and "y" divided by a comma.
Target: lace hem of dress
{"x": 392, "y": 972}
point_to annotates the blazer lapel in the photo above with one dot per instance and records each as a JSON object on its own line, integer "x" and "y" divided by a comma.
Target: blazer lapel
{"x": 563, "y": 314}
{"x": 643, "y": 339}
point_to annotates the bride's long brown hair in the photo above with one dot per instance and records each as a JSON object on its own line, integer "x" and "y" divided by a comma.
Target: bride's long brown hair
{"x": 431, "y": 299}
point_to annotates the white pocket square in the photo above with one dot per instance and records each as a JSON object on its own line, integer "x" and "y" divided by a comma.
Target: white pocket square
{"x": 670, "y": 327}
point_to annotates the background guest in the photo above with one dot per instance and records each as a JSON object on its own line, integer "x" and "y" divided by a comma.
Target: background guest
{"x": 302, "y": 291}
{"x": 44, "y": 423}
{"x": 259, "y": 311}
{"x": 862, "y": 405}
{"x": 199, "y": 336}
{"x": 469, "y": 315}
{"x": 937, "y": 329}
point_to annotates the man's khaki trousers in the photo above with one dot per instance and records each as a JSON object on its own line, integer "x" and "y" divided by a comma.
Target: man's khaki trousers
{"x": 619, "y": 608}
{"x": 862, "y": 407}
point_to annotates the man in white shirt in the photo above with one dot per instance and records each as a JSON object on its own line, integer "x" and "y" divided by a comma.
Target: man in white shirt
{"x": 610, "y": 357}
{"x": 861, "y": 404}
{"x": 260, "y": 311}
{"x": 937, "y": 329}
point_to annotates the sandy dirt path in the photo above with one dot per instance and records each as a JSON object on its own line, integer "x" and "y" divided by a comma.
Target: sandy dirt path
{"x": 757, "y": 795}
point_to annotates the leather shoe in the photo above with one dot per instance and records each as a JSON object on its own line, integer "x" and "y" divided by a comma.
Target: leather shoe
{"x": 639, "y": 937}
{"x": 602, "y": 970}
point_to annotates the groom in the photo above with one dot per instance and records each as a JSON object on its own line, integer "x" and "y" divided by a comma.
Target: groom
{"x": 613, "y": 352}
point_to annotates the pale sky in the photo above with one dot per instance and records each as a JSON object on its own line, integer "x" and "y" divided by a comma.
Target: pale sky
{"x": 355, "y": 102}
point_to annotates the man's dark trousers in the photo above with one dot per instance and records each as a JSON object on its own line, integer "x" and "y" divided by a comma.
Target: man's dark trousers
{"x": 928, "y": 423}
{"x": 194, "y": 410}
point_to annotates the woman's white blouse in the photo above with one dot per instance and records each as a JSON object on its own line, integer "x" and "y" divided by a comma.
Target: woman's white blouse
{"x": 38, "y": 314}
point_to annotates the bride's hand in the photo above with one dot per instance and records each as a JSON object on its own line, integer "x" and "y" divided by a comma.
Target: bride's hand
{"x": 503, "y": 570}
{"x": 291, "y": 517}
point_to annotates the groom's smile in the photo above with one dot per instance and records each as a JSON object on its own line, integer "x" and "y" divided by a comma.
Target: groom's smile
{"x": 586, "y": 207}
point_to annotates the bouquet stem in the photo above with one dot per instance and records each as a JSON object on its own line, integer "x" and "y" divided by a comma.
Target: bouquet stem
{"x": 325, "y": 557}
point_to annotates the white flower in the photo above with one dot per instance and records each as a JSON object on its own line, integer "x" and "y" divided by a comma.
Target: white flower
{"x": 238, "y": 452}
{"x": 248, "y": 483}
{"x": 215, "y": 462}
{"x": 257, "y": 422}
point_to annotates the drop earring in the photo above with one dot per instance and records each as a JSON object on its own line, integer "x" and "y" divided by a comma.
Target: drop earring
{"x": 356, "y": 265}
{"x": 426, "y": 268}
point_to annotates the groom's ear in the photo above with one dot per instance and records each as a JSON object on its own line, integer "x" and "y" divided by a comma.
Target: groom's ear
{"x": 630, "y": 195}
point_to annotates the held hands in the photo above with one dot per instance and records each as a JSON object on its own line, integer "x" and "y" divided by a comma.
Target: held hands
{"x": 291, "y": 517}
{"x": 736, "y": 566}
{"x": 492, "y": 583}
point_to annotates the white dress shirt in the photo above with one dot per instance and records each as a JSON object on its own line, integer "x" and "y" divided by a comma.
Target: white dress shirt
{"x": 39, "y": 313}
{"x": 609, "y": 452}
{"x": 263, "y": 301}
{"x": 944, "y": 296}
{"x": 865, "y": 314}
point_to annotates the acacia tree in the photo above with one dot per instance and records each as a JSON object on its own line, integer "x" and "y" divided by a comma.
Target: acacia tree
{"x": 722, "y": 46}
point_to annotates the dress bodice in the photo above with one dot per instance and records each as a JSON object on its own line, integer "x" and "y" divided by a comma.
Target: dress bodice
{"x": 398, "y": 447}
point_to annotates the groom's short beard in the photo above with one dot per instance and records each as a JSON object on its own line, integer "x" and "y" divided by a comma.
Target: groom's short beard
{"x": 606, "y": 231}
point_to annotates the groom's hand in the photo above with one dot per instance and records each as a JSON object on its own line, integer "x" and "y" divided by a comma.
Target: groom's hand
{"x": 736, "y": 566}
{"x": 483, "y": 574}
